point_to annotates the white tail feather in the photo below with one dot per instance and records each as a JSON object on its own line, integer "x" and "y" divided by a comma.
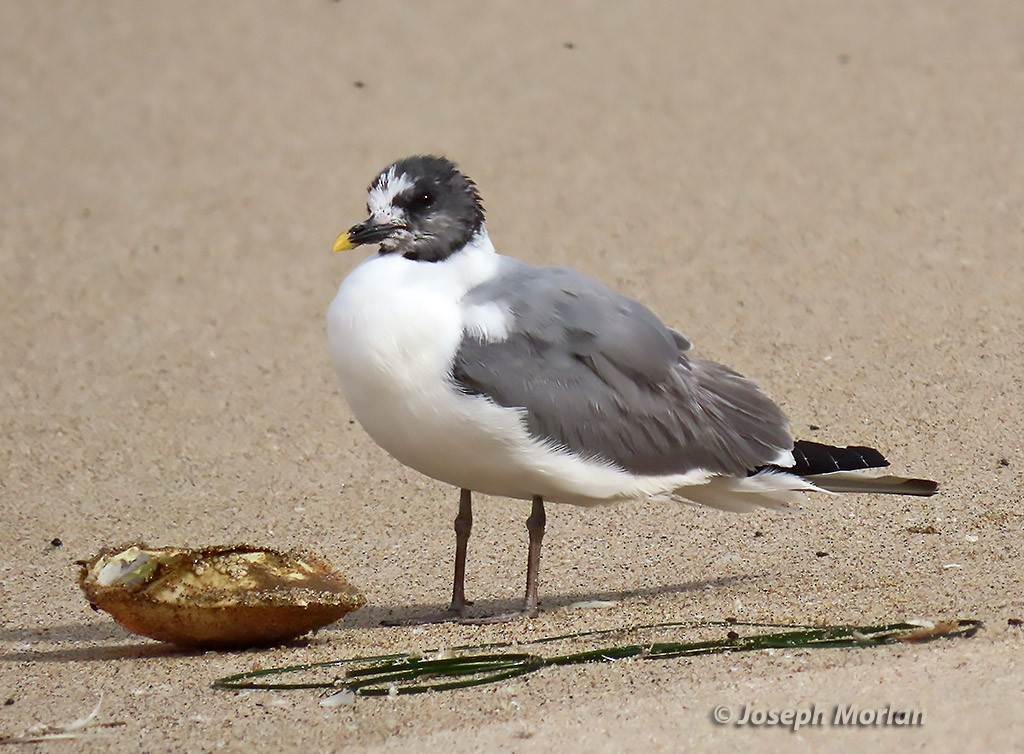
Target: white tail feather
{"x": 775, "y": 490}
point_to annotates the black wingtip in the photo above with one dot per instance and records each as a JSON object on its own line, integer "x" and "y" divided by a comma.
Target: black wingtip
{"x": 813, "y": 459}
{"x": 817, "y": 458}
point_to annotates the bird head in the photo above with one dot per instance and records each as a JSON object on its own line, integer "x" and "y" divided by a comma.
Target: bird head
{"x": 420, "y": 207}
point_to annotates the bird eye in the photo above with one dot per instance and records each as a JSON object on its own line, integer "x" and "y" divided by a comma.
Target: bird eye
{"x": 421, "y": 199}
{"x": 416, "y": 200}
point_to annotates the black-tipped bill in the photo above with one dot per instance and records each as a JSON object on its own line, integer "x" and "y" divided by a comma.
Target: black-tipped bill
{"x": 364, "y": 233}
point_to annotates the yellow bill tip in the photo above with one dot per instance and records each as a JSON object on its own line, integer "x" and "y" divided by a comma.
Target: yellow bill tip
{"x": 343, "y": 242}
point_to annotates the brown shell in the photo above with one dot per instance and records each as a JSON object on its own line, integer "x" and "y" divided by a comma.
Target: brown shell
{"x": 217, "y": 597}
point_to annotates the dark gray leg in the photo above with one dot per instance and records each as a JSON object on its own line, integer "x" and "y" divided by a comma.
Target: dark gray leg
{"x": 463, "y": 526}
{"x": 535, "y": 526}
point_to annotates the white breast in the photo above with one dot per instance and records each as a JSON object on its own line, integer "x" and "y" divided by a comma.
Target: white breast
{"x": 393, "y": 329}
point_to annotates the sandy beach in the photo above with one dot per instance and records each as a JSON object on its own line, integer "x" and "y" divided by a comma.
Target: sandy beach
{"x": 826, "y": 196}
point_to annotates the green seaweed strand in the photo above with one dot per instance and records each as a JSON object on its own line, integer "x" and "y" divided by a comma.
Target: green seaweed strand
{"x": 397, "y": 674}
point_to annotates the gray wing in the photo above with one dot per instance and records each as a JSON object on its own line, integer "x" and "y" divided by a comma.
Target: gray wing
{"x": 599, "y": 374}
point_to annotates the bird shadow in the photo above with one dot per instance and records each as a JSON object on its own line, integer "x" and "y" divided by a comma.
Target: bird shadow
{"x": 373, "y": 616}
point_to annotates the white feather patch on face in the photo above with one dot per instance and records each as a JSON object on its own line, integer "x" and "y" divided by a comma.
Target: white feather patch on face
{"x": 488, "y": 322}
{"x": 380, "y": 200}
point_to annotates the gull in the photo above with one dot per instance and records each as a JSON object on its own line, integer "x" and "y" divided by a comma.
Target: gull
{"x": 543, "y": 384}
